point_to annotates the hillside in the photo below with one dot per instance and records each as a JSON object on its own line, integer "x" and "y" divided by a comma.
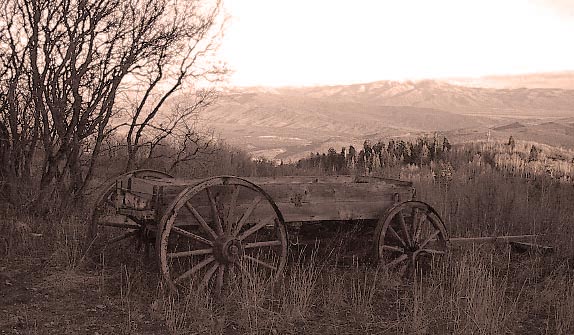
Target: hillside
{"x": 449, "y": 97}
{"x": 288, "y": 123}
{"x": 563, "y": 80}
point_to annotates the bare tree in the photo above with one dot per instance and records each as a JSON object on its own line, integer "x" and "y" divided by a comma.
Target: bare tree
{"x": 74, "y": 57}
{"x": 188, "y": 143}
{"x": 176, "y": 66}
{"x": 150, "y": 129}
{"x": 19, "y": 123}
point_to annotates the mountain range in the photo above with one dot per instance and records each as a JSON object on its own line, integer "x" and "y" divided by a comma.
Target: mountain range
{"x": 289, "y": 123}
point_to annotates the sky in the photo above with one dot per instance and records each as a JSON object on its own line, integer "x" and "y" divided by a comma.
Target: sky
{"x": 329, "y": 42}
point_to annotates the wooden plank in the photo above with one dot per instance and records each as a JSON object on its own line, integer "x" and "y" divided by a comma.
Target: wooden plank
{"x": 309, "y": 193}
{"x": 298, "y": 194}
{"x": 299, "y": 198}
{"x": 333, "y": 211}
{"x": 288, "y": 180}
{"x": 178, "y": 183}
{"x": 346, "y": 179}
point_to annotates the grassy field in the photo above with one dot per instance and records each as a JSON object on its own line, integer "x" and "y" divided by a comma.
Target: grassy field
{"x": 49, "y": 285}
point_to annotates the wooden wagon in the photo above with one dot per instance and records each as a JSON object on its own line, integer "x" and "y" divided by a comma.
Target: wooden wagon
{"x": 209, "y": 231}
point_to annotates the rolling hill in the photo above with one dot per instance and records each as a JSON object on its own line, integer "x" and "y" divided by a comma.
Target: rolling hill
{"x": 289, "y": 123}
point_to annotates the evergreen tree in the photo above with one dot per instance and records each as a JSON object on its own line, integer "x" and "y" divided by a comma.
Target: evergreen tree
{"x": 533, "y": 156}
{"x": 445, "y": 145}
{"x": 511, "y": 143}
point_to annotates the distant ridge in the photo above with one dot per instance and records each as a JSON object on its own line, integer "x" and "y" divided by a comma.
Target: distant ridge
{"x": 437, "y": 95}
{"x": 290, "y": 122}
{"x": 562, "y": 79}
{"x": 513, "y": 125}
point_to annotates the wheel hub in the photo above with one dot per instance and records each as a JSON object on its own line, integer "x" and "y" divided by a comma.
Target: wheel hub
{"x": 227, "y": 250}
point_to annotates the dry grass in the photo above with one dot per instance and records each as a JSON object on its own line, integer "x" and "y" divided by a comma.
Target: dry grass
{"x": 475, "y": 292}
{"x": 558, "y": 298}
{"x": 486, "y": 290}
{"x": 469, "y": 295}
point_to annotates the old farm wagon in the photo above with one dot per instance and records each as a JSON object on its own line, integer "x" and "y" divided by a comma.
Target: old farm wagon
{"x": 207, "y": 231}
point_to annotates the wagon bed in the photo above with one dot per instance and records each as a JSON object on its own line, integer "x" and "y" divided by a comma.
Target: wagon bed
{"x": 300, "y": 199}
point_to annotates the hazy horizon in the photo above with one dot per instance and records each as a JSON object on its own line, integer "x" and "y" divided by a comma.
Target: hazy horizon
{"x": 317, "y": 43}
{"x": 455, "y": 80}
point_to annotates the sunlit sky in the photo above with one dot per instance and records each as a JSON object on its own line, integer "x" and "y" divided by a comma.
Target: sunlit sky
{"x": 310, "y": 42}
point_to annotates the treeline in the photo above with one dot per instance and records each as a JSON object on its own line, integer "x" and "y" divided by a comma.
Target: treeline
{"x": 373, "y": 157}
{"x": 404, "y": 159}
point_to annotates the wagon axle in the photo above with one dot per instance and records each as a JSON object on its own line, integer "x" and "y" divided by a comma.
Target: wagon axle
{"x": 145, "y": 235}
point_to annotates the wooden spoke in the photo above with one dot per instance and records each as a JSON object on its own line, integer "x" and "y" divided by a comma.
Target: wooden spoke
{"x": 414, "y": 216}
{"x": 220, "y": 277}
{"x": 208, "y": 275}
{"x": 421, "y": 219}
{"x": 255, "y": 228}
{"x": 121, "y": 237}
{"x": 404, "y": 227}
{"x": 246, "y": 215}
{"x": 397, "y": 261}
{"x": 392, "y": 248}
{"x": 189, "y": 253}
{"x": 194, "y": 269}
{"x": 200, "y": 219}
{"x": 430, "y": 238}
{"x": 395, "y": 235}
{"x": 229, "y": 220}
{"x": 262, "y": 263}
{"x": 110, "y": 202}
{"x": 119, "y": 225}
{"x": 244, "y": 272}
{"x": 193, "y": 236}
{"x": 233, "y": 270}
{"x": 214, "y": 213}
{"x": 230, "y": 272}
{"x": 261, "y": 244}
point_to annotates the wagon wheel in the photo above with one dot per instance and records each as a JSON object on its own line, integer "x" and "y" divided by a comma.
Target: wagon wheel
{"x": 410, "y": 235}
{"x": 220, "y": 231}
{"x": 111, "y": 231}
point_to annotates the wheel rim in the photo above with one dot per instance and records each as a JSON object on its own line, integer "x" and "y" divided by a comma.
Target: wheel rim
{"x": 111, "y": 231}
{"x": 409, "y": 235}
{"x": 219, "y": 231}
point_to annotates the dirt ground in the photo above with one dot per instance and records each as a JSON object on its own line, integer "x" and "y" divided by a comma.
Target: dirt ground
{"x": 36, "y": 298}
